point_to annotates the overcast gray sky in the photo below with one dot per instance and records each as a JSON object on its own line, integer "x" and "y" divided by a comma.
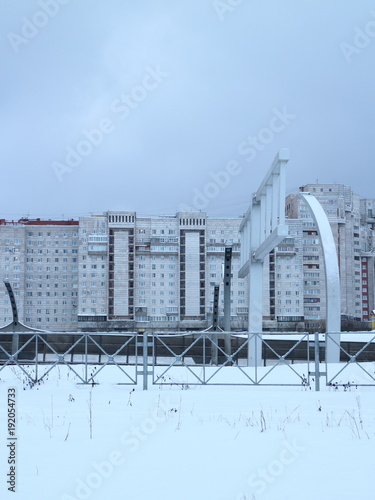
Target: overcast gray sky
{"x": 142, "y": 105}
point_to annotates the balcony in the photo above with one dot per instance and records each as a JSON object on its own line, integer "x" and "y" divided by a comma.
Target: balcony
{"x": 97, "y": 244}
{"x": 141, "y": 311}
{"x": 172, "y": 311}
{"x": 142, "y": 247}
{"x": 97, "y": 249}
{"x": 215, "y": 248}
{"x": 164, "y": 248}
{"x": 161, "y": 240}
{"x": 285, "y": 250}
{"x": 242, "y": 310}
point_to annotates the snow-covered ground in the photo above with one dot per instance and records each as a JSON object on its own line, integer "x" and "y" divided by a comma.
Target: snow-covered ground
{"x": 188, "y": 442}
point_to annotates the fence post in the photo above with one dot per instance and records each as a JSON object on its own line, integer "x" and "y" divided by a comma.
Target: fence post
{"x": 86, "y": 382}
{"x": 145, "y": 352}
{"x": 317, "y": 361}
{"x": 255, "y": 345}
{"x": 36, "y": 357}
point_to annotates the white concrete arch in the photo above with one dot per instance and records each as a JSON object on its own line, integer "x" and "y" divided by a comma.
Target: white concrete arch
{"x": 332, "y": 277}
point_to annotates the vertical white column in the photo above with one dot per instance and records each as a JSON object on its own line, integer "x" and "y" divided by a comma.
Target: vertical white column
{"x": 282, "y": 189}
{"x": 268, "y": 210}
{"x": 247, "y": 241}
{"x": 243, "y": 239}
{"x": 255, "y": 291}
{"x": 275, "y": 200}
{"x": 262, "y": 218}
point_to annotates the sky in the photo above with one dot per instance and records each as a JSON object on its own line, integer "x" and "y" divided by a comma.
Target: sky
{"x": 157, "y": 106}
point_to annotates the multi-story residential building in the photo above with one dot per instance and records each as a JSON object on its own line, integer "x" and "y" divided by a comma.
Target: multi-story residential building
{"x": 354, "y": 244}
{"x": 118, "y": 271}
{"x": 161, "y": 271}
{"x": 367, "y": 208}
{"x": 285, "y": 281}
{"x": 93, "y": 269}
{"x": 40, "y": 260}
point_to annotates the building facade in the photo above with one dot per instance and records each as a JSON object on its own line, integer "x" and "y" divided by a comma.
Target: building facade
{"x": 156, "y": 273}
{"x": 118, "y": 271}
{"x": 354, "y": 238}
{"x": 40, "y": 260}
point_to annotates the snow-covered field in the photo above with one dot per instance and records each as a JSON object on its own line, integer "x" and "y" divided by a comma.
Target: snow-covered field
{"x": 188, "y": 442}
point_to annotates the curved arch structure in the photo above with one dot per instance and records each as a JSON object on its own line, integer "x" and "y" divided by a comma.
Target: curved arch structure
{"x": 12, "y": 302}
{"x": 15, "y": 326}
{"x": 332, "y": 278}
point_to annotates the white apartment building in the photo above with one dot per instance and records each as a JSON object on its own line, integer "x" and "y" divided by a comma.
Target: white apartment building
{"x": 118, "y": 271}
{"x": 40, "y": 260}
{"x": 355, "y": 249}
{"x": 285, "y": 274}
{"x": 156, "y": 273}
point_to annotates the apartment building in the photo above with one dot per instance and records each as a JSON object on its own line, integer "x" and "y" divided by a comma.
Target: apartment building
{"x": 40, "y": 260}
{"x": 156, "y": 273}
{"x": 355, "y": 249}
{"x": 285, "y": 275}
{"x": 119, "y": 271}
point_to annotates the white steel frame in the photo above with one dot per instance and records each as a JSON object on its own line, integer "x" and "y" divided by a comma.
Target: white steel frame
{"x": 261, "y": 230}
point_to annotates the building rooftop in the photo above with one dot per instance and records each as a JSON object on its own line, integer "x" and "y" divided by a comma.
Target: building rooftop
{"x": 39, "y": 222}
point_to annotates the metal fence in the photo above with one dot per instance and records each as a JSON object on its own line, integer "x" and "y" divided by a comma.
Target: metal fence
{"x": 359, "y": 355}
{"x": 37, "y": 354}
{"x": 206, "y": 360}
{"x": 191, "y": 358}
